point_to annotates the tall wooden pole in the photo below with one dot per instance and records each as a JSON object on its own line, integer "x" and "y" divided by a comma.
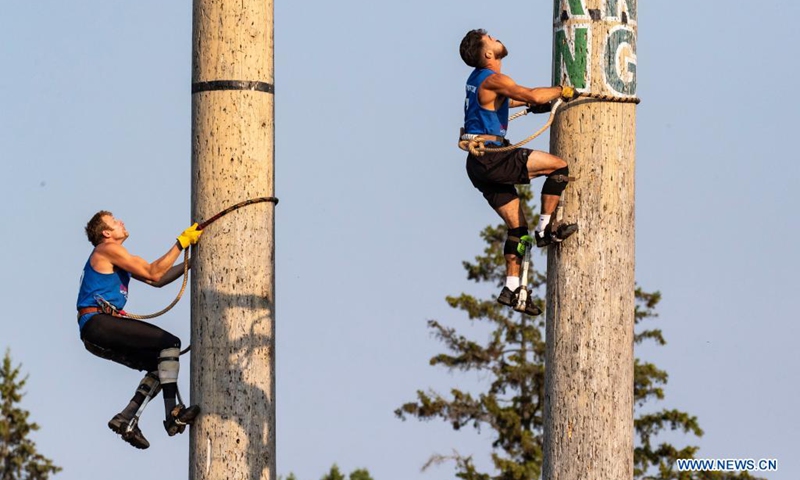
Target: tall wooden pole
{"x": 233, "y": 291}
{"x": 588, "y": 431}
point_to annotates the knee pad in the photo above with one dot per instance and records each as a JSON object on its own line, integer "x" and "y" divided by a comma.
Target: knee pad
{"x": 149, "y": 386}
{"x": 556, "y": 182}
{"x": 168, "y": 365}
{"x": 512, "y": 240}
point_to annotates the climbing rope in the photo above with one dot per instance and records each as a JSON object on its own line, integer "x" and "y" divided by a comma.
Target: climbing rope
{"x": 174, "y": 302}
{"x": 200, "y": 226}
{"x": 477, "y": 147}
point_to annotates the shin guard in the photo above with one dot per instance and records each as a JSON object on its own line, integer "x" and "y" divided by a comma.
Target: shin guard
{"x": 168, "y": 365}
{"x": 150, "y": 385}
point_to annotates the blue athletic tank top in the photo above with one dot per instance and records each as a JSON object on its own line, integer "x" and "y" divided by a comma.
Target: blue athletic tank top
{"x": 478, "y": 120}
{"x": 112, "y": 287}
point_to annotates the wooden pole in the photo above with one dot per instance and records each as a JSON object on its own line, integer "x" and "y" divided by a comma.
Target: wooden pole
{"x": 233, "y": 291}
{"x": 588, "y": 432}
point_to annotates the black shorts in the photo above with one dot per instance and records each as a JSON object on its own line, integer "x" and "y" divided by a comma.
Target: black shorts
{"x": 495, "y": 174}
{"x": 132, "y": 343}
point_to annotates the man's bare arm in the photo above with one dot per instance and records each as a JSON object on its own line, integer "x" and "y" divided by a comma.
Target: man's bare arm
{"x": 172, "y": 274}
{"x": 137, "y": 266}
{"x": 504, "y": 86}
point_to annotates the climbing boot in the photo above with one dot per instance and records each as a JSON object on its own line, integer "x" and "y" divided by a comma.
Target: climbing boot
{"x": 179, "y": 417}
{"x": 549, "y": 237}
{"x": 506, "y": 297}
{"x": 509, "y": 298}
{"x": 134, "y": 437}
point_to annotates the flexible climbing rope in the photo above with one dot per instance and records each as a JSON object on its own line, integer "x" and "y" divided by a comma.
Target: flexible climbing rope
{"x": 478, "y": 147}
{"x": 174, "y": 302}
{"x": 200, "y": 226}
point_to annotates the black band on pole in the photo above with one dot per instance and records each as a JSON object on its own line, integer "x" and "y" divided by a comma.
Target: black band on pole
{"x": 232, "y": 85}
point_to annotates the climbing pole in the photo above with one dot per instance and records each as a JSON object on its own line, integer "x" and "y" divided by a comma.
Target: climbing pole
{"x": 475, "y": 144}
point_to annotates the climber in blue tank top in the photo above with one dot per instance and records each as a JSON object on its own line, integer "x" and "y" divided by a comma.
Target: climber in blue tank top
{"x": 490, "y": 95}
{"x": 107, "y": 333}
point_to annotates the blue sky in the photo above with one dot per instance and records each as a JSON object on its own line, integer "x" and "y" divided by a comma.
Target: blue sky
{"x": 377, "y": 214}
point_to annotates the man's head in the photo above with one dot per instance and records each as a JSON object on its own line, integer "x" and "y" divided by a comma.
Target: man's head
{"x": 103, "y": 225}
{"x": 478, "y": 47}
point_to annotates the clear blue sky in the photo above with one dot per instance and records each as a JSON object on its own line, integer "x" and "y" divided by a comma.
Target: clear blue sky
{"x": 377, "y": 214}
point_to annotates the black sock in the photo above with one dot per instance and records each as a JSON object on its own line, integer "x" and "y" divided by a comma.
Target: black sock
{"x": 170, "y": 391}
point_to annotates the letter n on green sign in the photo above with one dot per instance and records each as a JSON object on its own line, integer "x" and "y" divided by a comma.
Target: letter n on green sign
{"x": 571, "y": 56}
{"x": 614, "y": 7}
{"x": 576, "y": 8}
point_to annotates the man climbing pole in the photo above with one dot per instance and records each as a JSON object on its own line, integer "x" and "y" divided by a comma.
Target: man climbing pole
{"x": 490, "y": 94}
{"x": 133, "y": 343}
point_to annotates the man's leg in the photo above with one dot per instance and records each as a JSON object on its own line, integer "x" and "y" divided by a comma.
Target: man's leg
{"x": 514, "y": 218}
{"x": 517, "y": 227}
{"x": 177, "y": 414}
{"x": 557, "y": 171}
{"x": 144, "y": 346}
{"x": 495, "y": 175}
{"x": 121, "y": 423}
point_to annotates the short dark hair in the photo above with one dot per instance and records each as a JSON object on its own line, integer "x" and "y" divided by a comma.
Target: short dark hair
{"x": 96, "y": 227}
{"x": 472, "y": 48}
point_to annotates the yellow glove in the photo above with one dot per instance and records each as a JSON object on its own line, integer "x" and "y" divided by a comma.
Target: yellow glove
{"x": 568, "y": 93}
{"x": 190, "y": 236}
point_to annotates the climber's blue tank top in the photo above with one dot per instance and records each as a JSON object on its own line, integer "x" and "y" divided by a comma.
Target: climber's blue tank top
{"x": 113, "y": 287}
{"x": 478, "y": 120}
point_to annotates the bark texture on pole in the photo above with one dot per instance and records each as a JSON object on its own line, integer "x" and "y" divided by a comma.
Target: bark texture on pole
{"x": 233, "y": 291}
{"x": 588, "y": 432}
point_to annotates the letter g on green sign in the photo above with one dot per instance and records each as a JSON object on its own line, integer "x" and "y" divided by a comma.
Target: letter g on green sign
{"x": 620, "y": 61}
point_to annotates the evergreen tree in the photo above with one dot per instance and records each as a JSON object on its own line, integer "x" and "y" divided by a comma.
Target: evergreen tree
{"x": 360, "y": 474}
{"x": 513, "y": 359}
{"x": 19, "y": 459}
{"x": 336, "y": 474}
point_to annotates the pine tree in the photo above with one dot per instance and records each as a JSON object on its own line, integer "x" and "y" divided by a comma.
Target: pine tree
{"x": 19, "y": 459}
{"x": 336, "y": 474}
{"x": 360, "y": 474}
{"x": 513, "y": 359}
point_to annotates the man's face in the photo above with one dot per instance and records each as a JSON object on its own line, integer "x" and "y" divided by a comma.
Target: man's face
{"x": 495, "y": 46}
{"x": 116, "y": 228}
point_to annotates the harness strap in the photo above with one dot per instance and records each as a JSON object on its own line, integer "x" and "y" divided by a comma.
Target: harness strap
{"x": 562, "y": 178}
{"x": 109, "y": 311}
{"x": 483, "y": 137}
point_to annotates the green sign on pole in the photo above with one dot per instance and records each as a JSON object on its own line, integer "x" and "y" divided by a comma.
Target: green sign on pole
{"x": 613, "y": 25}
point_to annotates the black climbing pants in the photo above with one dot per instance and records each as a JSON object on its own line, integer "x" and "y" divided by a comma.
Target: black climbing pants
{"x": 132, "y": 343}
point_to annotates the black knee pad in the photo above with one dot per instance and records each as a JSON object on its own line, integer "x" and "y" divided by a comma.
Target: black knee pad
{"x": 556, "y": 182}
{"x": 512, "y": 240}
